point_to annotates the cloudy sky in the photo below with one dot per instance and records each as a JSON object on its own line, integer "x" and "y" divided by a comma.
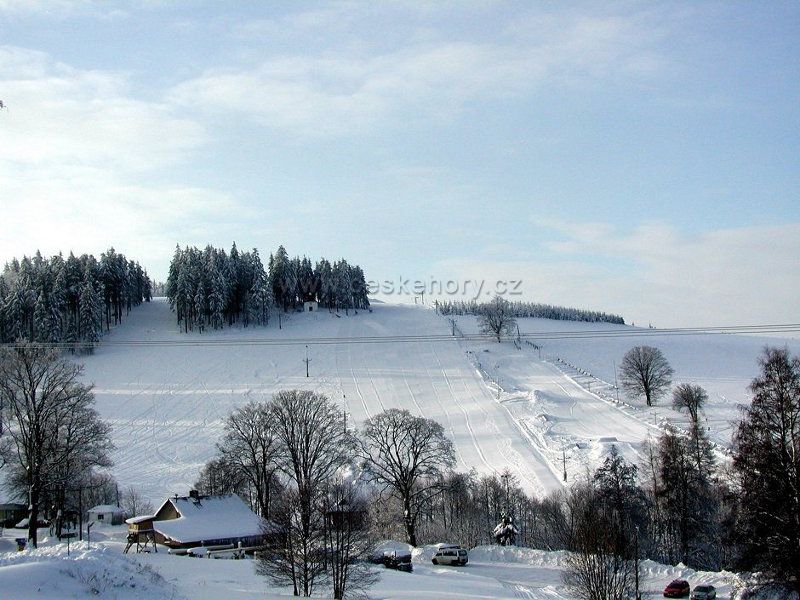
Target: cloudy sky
{"x": 637, "y": 158}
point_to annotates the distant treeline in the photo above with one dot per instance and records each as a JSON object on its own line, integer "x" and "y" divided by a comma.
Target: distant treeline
{"x": 210, "y": 287}
{"x": 530, "y": 309}
{"x": 68, "y": 301}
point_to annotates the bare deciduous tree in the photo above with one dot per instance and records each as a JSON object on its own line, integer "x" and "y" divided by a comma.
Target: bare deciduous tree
{"x": 55, "y": 430}
{"x": 134, "y": 504}
{"x": 250, "y": 445}
{"x": 690, "y": 397}
{"x": 601, "y": 565}
{"x": 219, "y": 477}
{"x": 313, "y": 446}
{"x": 645, "y": 372}
{"x": 408, "y": 455}
{"x": 348, "y": 542}
{"x": 497, "y": 318}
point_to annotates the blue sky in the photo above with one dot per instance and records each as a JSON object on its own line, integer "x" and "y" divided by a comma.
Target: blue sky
{"x": 639, "y": 158}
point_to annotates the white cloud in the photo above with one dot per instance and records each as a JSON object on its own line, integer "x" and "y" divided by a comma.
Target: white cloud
{"x": 656, "y": 274}
{"x": 80, "y": 156}
{"x": 61, "y": 115}
{"x": 87, "y": 210}
{"x": 355, "y": 88}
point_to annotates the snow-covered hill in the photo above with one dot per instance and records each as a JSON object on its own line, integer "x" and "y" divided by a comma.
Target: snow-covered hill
{"x": 166, "y": 401}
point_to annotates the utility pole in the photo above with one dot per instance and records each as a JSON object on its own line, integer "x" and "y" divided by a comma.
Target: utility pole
{"x": 307, "y": 360}
{"x": 616, "y": 387}
{"x": 279, "y": 318}
{"x": 564, "y": 461}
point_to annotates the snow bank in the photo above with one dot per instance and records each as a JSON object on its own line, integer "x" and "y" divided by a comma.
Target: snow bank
{"x": 49, "y": 573}
{"x": 514, "y": 554}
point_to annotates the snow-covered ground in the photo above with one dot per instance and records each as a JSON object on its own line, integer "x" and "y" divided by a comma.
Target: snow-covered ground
{"x": 723, "y": 364}
{"x": 103, "y": 571}
{"x": 502, "y": 406}
{"x": 166, "y": 402}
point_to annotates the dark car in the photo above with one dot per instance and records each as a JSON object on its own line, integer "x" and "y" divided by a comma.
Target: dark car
{"x": 704, "y": 592}
{"x": 677, "y": 589}
{"x": 398, "y": 560}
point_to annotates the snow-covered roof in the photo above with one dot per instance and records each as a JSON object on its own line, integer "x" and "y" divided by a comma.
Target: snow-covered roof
{"x": 106, "y": 508}
{"x": 141, "y": 519}
{"x": 210, "y": 518}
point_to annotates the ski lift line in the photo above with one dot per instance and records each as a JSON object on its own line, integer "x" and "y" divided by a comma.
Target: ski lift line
{"x": 395, "y": 339}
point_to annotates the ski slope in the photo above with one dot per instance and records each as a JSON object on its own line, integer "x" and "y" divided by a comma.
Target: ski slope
{"x": 503, "y": 407}
{"x": 723, "y": 364}
{"x": 166, "y": 402}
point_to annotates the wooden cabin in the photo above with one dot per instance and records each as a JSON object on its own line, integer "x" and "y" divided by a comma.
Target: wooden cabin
{"x": 195, "y": 520}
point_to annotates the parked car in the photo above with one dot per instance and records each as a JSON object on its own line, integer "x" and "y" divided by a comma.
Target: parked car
{"x": 451, "y": 556}
{"x": 677, "y": 589}
{"x": 398, "y": 560}
{"x": 704, "y": 592}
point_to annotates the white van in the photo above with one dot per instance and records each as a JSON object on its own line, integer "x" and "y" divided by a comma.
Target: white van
{"x": 451, "y": 556}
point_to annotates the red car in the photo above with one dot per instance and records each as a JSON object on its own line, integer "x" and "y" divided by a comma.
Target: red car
{"x": 677, "y": 589}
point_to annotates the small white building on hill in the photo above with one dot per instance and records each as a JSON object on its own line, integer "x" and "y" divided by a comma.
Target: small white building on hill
{"x": 106, "y": 514}
{"x": 194, "y": 520}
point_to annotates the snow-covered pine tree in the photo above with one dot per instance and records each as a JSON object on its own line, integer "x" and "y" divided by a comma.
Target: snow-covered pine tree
{"x": 306, "y": 281}
{"x": 217, "y": 302}
{"x": 91, "y": 315}
{"x": 341, "y": 282}
{"x": 41, "y": 318}
{"x": 199, "y": 309}
{"x": 277, "y": 276}
{"x": 324, "y": 276}
{"x": 291, "y": 279}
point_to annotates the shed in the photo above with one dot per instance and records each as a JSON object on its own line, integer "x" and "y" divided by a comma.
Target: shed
{"x": 310, "y": 306}
{"x": 195, "y": 520}
{"x": 107, "y": 514}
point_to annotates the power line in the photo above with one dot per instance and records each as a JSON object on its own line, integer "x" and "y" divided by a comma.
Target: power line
{"x": 400, "y": 339}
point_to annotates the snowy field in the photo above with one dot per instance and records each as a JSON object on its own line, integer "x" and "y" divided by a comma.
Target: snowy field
{"x": 103, "y": 571}
{"x": 502, "y": 406}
